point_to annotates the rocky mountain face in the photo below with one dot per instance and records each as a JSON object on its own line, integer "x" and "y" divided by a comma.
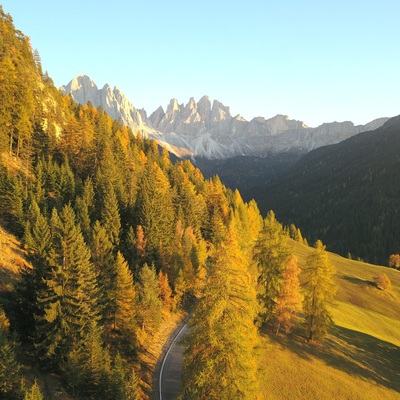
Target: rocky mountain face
{"x": 205, "y": 129}
{"x": 83, "y": 90}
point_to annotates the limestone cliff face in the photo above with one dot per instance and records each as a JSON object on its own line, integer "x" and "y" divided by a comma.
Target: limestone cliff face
{"x": 82, "y": 89}
{"x": 206, "y": 129}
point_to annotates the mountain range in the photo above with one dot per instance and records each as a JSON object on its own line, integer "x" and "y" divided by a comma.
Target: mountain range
{"x": 206, "y": 129}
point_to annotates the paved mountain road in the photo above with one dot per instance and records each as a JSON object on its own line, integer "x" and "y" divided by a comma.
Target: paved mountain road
{"x": 168, "y": 375}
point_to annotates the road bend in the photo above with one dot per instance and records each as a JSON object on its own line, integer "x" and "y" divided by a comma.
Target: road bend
{"x": 168, "y": 378}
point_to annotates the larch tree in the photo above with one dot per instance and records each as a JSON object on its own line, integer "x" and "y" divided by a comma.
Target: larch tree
{"x": 320, "y": 290}
{"x": 125, "y": 312}
{"x": 110, "y": 216}
{"x": 382, "y": 281}
{"x": 271, "y": 254}
{"x": 155, "y": 209}
{"x": 165, "y": 292}
{"x": 219, "y": 358}
{"x": 149, "y": 303}
{"x": 289, "y": 300}
{"x": 33, "y": 393}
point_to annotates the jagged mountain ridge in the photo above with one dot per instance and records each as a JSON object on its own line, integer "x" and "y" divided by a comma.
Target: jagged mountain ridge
{"x": 83, "y": 90}
{"x": 205, "y": 129}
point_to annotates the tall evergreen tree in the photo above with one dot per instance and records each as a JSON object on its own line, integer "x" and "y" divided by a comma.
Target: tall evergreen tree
{"x": 10, "y": 376}
{"x": 87, "y": 365}
{"x": 71, "y": 295}
{"x": 104, "y": 265}
{"x": 320, "y": 292}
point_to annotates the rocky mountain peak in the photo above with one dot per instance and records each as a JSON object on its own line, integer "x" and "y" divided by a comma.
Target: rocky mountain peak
{"x": 208, "y": 129}
{"x": 83, "y": 90}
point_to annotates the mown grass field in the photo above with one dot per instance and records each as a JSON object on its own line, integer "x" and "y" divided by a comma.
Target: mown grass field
{"x": 360, "y": 358}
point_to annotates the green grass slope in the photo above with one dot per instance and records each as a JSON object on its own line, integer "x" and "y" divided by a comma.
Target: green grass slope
{"x": 361, "y": 356}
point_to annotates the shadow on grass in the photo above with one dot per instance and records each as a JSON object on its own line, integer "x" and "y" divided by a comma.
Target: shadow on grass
{"x": 357, "y": 281}
{"x": 352, "y": 352}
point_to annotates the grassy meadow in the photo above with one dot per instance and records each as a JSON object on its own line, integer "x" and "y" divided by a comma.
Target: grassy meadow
{"x": 360, "y": 358}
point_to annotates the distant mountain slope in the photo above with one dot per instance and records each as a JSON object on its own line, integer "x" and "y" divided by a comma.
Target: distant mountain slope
{"x": 208, "y": 130}
{"x": 346, "y": 194}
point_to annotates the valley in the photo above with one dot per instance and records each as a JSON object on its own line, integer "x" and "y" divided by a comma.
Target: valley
{"x": 269, "y": 237}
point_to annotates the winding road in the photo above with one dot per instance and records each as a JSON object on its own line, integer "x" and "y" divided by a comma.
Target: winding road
{"x": 168, "y": 377}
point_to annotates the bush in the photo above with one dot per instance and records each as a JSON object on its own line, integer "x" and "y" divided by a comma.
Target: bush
{"x": 382, "y": 282}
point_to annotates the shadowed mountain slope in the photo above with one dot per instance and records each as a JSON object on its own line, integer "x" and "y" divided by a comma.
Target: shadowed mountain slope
{"x": 346, "y": 194}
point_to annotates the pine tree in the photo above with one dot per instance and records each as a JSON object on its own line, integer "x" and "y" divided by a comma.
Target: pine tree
{"x": 320, "y": 292}
{"x": 271, "y": 254}
{"x": 219, "y": 359}
{"x": 289, "y": 301}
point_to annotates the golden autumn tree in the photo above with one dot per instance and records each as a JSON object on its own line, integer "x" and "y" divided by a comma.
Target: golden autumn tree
{"x": 382, "y": 282}
{"x": 124, "y": 316}
{"x": 320, "y": 292}
{"x": 271, "y": 254}
{"x": 289, "y": 301}
{"x": 219, "y": 358}
{"x": 165, "y": 292}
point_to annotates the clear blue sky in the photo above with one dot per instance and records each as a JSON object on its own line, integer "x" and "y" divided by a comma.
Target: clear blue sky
{"x": 314, "y": 60}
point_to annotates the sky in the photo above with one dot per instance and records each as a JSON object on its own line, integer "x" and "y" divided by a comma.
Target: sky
{"x": 313, "y": 60}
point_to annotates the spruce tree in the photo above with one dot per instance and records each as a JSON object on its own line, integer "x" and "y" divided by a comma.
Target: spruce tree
{"x": 103, "y": 260}
{"x": 87, "y": 367}
{"x": 71, "y": 293}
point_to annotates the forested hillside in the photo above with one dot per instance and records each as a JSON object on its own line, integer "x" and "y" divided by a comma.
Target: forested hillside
{"x": 116, "y": 236}
{"x": 105, "y": 242}
{"x": 345, "y": 194}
